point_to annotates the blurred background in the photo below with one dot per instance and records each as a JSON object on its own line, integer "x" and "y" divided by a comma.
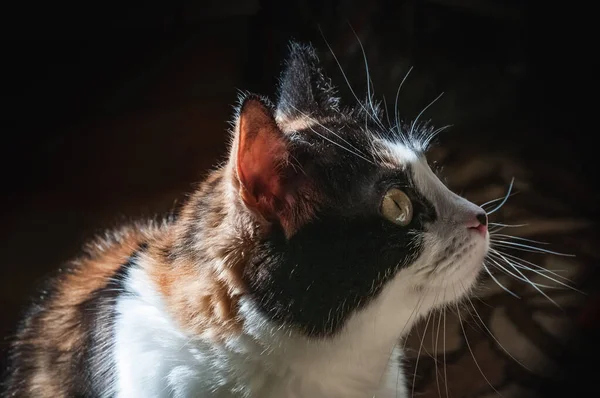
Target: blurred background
{"x": 112, "y": 112}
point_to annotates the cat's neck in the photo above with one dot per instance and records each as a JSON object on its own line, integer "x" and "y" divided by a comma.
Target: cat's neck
{"x": 359, "y": 355}
{"x": 367, "y": 331}
{"x": 198, "y": 265}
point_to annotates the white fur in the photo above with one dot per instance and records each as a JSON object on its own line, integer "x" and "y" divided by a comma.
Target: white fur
{"x": 294, "y": 124}
{"x": 155, "y": 359}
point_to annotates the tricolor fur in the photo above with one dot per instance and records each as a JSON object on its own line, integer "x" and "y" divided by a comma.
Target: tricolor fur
{"x": 278, "y": 278}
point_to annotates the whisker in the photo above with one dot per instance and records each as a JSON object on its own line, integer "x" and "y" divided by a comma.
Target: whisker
{"x": 535, "y": 286}
{"x": 341, "y": 146}
{"x": 369, "y": 82}
{"x": 471, "y": 351}
{"x": 522, "y": 279}
{"x": 498, "y": 244}
{"x": 444, "y": 359}
{"x": 475, "y": 323}
{"x": 495, "y": 229}
{"x": 348, "y": 82}
{"x": 387, "y": 111}
{"x": 397, "y": 96}
{"x": 508, "y": 225}
{"x": 500, "y": 284}
{"x": 330, "y": 131}
{"x": 532, "y": 248}
{"x": 505, "y": 198}
{"x": 489, "y": 202}
{"x": 419, "y": 355}
{"x": 542, "y": 274}
{"x": 518, "y": 238}
{"x": 514, "y": 263}
{"x": 420, "y": 113}
{"x": 437, "y": 339}
{"x": 494, "y": 337}
{"x": 482, "y": 302}
{"x": 539, "y": 267}
{"x": 427, "y": 140}
{"x": 415, "y": 311}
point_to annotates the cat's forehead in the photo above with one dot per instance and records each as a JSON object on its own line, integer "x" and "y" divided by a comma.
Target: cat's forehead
{"x": 395, "y": 154}
{"x": 344, "y": 135}
{"x": 297, "y": 123}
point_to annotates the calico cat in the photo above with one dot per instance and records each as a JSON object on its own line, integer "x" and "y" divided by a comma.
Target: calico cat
{"x": 292, "y": 271}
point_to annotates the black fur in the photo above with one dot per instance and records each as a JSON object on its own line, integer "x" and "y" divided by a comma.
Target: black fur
{"x": 303, "y": 86}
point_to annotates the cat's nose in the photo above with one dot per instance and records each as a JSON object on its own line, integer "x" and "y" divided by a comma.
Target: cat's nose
{"x": 479, "y": 223}
{"x": 482, "y": 218}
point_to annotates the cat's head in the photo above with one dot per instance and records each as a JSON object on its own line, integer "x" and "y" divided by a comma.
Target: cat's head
{"x": 349, "y": 216}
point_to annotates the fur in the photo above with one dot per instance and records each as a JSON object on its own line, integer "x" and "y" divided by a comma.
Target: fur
{"x": 278, "y": 278}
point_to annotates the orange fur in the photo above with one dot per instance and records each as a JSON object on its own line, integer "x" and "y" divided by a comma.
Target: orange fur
{"x": 202, "y": 294}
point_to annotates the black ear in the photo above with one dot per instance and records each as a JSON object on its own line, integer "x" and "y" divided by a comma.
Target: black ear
{"x": 304, "y": 89}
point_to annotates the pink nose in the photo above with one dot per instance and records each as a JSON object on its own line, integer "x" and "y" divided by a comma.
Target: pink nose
{"x": 479, "y": 223}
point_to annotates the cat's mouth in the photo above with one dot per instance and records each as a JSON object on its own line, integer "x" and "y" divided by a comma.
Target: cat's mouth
{"x": 480, "y": 229}
{"x": 478, "y": 224}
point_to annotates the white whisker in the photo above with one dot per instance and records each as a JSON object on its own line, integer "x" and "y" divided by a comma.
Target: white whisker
{"x": 415, "y": 311}
{"x": 515, "y": 264}
{"x": 539, "y": 267}
{"x": 505, "y": 198}
{"x": 437, "y": 338}
{"x": 534, "y": 285}
{"x": 519, "y": 238}
{"x": 516, "y": 245}
{"x": 341, "y": 146}
{"x": 508, "y": 225}
{"x": 397, "y": 96}
{"x": 522, "y": 279}
{"x": 471, "y": 351}
{"x": 419, "y": 354}
{"x": 410, "y": 134}
{"x": 369, "y": 82}
{"x": 330, "y": 131}
{"x": 444, "y": 359}
{"x": 494, "y": 337}
{"x": 387, "y": 111}
{"x": 348, "y": 82}
{"x": 500, "y": 284}
{"x": 489, "y": 202}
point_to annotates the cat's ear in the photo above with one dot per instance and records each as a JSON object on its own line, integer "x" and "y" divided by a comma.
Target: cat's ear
{"x": 269, "y": 183}
{"x": 304, "y": 90}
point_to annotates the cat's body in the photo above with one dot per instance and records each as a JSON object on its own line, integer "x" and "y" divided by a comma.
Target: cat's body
{"x": 291, "y": 272}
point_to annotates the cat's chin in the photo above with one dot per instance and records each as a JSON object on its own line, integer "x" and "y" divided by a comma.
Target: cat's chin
{"x": 462, "y": 276}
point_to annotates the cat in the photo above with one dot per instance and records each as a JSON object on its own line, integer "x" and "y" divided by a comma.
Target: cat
{"x": 292, "y": 271}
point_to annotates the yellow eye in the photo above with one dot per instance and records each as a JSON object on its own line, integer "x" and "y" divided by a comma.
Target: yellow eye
{"x": 397, "y": 207}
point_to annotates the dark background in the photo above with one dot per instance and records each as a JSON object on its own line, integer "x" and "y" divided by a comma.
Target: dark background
{"x": 112, "y": 112}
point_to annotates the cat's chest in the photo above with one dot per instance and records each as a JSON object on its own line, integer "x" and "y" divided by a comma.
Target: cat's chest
{"x": 241, "y": 376}
{"x": 154, "y": 359}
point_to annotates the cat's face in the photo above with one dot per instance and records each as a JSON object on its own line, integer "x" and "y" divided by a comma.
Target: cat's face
{"x": 349, "y": 208}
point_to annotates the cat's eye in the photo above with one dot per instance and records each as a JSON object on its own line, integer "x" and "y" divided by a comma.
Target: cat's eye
{"x": 397, "y": 207}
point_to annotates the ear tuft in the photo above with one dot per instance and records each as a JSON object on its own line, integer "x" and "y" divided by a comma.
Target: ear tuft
{"x": 304, "y": 89}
